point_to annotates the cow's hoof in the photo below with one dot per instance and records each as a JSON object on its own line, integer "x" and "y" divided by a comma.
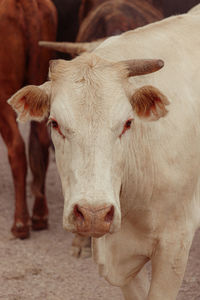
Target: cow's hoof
{"x": 39, "y": 223}
{"x": 20, "y": 231}
{"x": 80, "y": 252}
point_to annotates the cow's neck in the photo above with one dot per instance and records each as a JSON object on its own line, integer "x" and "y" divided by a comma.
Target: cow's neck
{"x": 138, "y": 177}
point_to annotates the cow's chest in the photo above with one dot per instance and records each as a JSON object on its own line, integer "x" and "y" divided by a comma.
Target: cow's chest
{"x": 122, "y": 254}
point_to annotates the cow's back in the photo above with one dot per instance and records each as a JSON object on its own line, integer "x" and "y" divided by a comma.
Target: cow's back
{"x": 114, "y": 17}
{"x": 174, "y": 7}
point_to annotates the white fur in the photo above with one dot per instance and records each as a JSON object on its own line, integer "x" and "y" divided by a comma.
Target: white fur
{"x": 157, "y": 163}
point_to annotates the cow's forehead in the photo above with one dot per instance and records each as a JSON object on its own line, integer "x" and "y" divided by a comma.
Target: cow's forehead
{"x": 87, "y": 73}
{"x": 88, "y": 86}
{"x": 83, "y": 64}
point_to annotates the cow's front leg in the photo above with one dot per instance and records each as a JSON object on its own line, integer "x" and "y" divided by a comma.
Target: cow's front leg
{"x": 17, "y": 158}
{"x": 81, "y": 246}
{"x": 168, "y": 266}
{"x": 138, "y": 287}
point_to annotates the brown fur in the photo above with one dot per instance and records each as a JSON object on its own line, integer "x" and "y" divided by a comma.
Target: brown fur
{"x": 30, "y": 100}
{"x": 101, "y": 19}
{"x": 149, "y": 103}
{"x": 86, "y": 7}
{"x": 173, "y": 7}
{"x": 22, "y": 24}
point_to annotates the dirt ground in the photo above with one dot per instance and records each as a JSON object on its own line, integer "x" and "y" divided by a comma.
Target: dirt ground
{"x": 42, "y": 267}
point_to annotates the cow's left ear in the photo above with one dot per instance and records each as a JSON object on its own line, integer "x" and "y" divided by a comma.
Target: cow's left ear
{"x": 149, "y": 103}
{"x": 31, "y": 102}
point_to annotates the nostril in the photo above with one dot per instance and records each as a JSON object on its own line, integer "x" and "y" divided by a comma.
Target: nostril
{"x": 109, "y": 216}
{"x": 78, "y": 213}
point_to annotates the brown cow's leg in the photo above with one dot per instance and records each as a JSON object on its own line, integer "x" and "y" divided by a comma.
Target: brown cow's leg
{"x": 17, "y": 158}
{"x": 39, "y": 142}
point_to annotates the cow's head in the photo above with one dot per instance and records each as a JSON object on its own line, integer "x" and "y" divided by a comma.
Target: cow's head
{"x": 91, "y": 104}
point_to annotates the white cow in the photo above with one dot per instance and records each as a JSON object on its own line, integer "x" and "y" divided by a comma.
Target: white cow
{"x": 130, "y": 183}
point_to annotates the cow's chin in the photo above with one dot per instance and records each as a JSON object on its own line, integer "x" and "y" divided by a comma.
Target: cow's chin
{"x": 91, "y": 234}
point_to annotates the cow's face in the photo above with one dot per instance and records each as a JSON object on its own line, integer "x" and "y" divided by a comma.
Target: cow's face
{"x": 91, "y": 110}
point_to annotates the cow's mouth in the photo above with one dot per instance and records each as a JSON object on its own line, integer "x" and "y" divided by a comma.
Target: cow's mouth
{"x": 95, "y": 234}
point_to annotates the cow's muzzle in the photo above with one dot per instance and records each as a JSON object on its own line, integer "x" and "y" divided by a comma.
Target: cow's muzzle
{"x": 93, "y": 222}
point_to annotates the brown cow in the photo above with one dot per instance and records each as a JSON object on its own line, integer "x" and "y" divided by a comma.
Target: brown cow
{"x": 99, "y": 19}
{"x": 103, "y": 18}
{"x": 68, "y": 22}
{"x": 22, "y": 24}
{"x": 173, "y": 7}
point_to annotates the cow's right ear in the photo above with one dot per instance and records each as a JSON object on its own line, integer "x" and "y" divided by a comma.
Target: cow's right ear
{"x": 32, "y": 102}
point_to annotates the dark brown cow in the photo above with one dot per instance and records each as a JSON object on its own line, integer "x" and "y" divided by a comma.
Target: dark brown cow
{"x": 103, "y": 18}
{"x": 68, "y": 23}
{"x": 99, "y": 19}
{"x": 173, "y": 7}
{"x": 22, "y": 24}
{"x": 87, "y": 6}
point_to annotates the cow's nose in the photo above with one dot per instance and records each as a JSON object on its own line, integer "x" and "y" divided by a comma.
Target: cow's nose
{"x": 93, "y": 221}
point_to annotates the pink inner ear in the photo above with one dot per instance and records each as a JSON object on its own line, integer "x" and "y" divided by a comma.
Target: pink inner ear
{"x": 22, "y": 102}
{"x": 158, "y": 105}
{"x": 31, "y": 109}
{"x": 152, "y": 107}
{"x": 26, "y": 107}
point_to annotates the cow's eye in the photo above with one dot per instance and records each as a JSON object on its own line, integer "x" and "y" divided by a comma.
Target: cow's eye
{"x": 127, "y": 126}
{"x": 54, "y": 124}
